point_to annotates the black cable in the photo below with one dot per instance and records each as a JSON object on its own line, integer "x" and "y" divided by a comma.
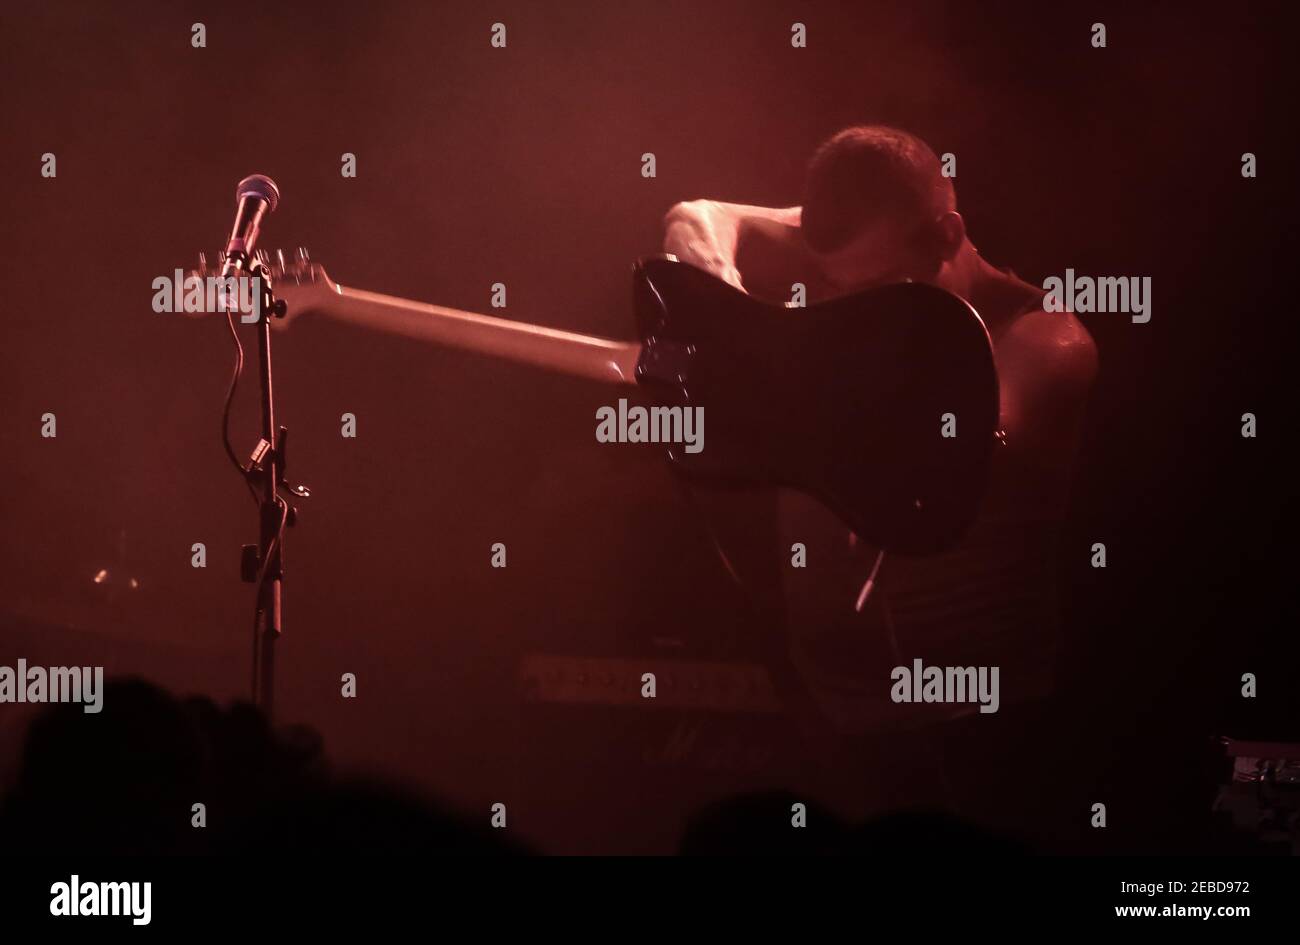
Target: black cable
{"x": 274, "y": 545}
{"x": 230, "y": 399}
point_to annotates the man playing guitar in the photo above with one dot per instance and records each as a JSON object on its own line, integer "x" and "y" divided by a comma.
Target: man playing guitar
{"x": 841, "y": 401}
{"x": 878, "y": 210}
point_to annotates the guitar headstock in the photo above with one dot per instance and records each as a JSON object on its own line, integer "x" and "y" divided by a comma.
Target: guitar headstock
{"x": 301, "y": 284}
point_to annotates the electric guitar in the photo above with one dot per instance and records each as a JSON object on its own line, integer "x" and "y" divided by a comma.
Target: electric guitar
{"x": 882, "y": 404}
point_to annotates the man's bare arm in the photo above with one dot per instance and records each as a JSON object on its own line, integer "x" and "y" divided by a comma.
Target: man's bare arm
{"x": 707, "y": 233}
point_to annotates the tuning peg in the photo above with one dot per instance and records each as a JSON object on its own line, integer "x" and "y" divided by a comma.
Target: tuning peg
{"x": 203, "y": 264}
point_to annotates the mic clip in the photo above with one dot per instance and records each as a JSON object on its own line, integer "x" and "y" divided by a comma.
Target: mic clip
{"x": 256, "y": 468}
{"x": 271, "y": 306}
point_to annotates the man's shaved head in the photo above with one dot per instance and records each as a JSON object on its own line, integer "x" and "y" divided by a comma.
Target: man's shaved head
{"x": 867, "y": 174}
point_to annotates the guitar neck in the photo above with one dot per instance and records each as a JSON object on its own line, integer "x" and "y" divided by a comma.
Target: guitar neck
{"x": 599, "y": 359}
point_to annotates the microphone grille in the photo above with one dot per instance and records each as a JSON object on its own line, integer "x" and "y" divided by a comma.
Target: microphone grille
{"x": 259, "y": 185}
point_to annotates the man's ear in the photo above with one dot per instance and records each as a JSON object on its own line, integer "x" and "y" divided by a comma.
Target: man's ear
{"x": 950, "y": 233}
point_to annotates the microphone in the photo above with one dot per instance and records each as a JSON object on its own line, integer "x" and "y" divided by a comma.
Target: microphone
{"x": 257, "y": 195}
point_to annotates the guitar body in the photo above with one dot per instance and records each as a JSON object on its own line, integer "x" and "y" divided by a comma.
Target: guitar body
{"x": 844, "y": 400}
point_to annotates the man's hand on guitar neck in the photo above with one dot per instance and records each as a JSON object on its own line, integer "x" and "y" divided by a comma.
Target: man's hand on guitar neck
{"x": 708, "y": 233}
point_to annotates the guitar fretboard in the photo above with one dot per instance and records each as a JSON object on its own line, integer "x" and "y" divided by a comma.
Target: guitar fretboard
{"x": 589, "y": 356}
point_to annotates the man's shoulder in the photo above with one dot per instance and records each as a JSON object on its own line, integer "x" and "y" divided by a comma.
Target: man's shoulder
{"x": 772, "y": 257}
{"x": 1055, "y": 341}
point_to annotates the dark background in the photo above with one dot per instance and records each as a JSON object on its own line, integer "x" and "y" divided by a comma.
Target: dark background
{"x": 522, "y": 165}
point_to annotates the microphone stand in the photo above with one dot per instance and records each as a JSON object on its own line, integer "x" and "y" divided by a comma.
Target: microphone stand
{"x": 262, "y": 564}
